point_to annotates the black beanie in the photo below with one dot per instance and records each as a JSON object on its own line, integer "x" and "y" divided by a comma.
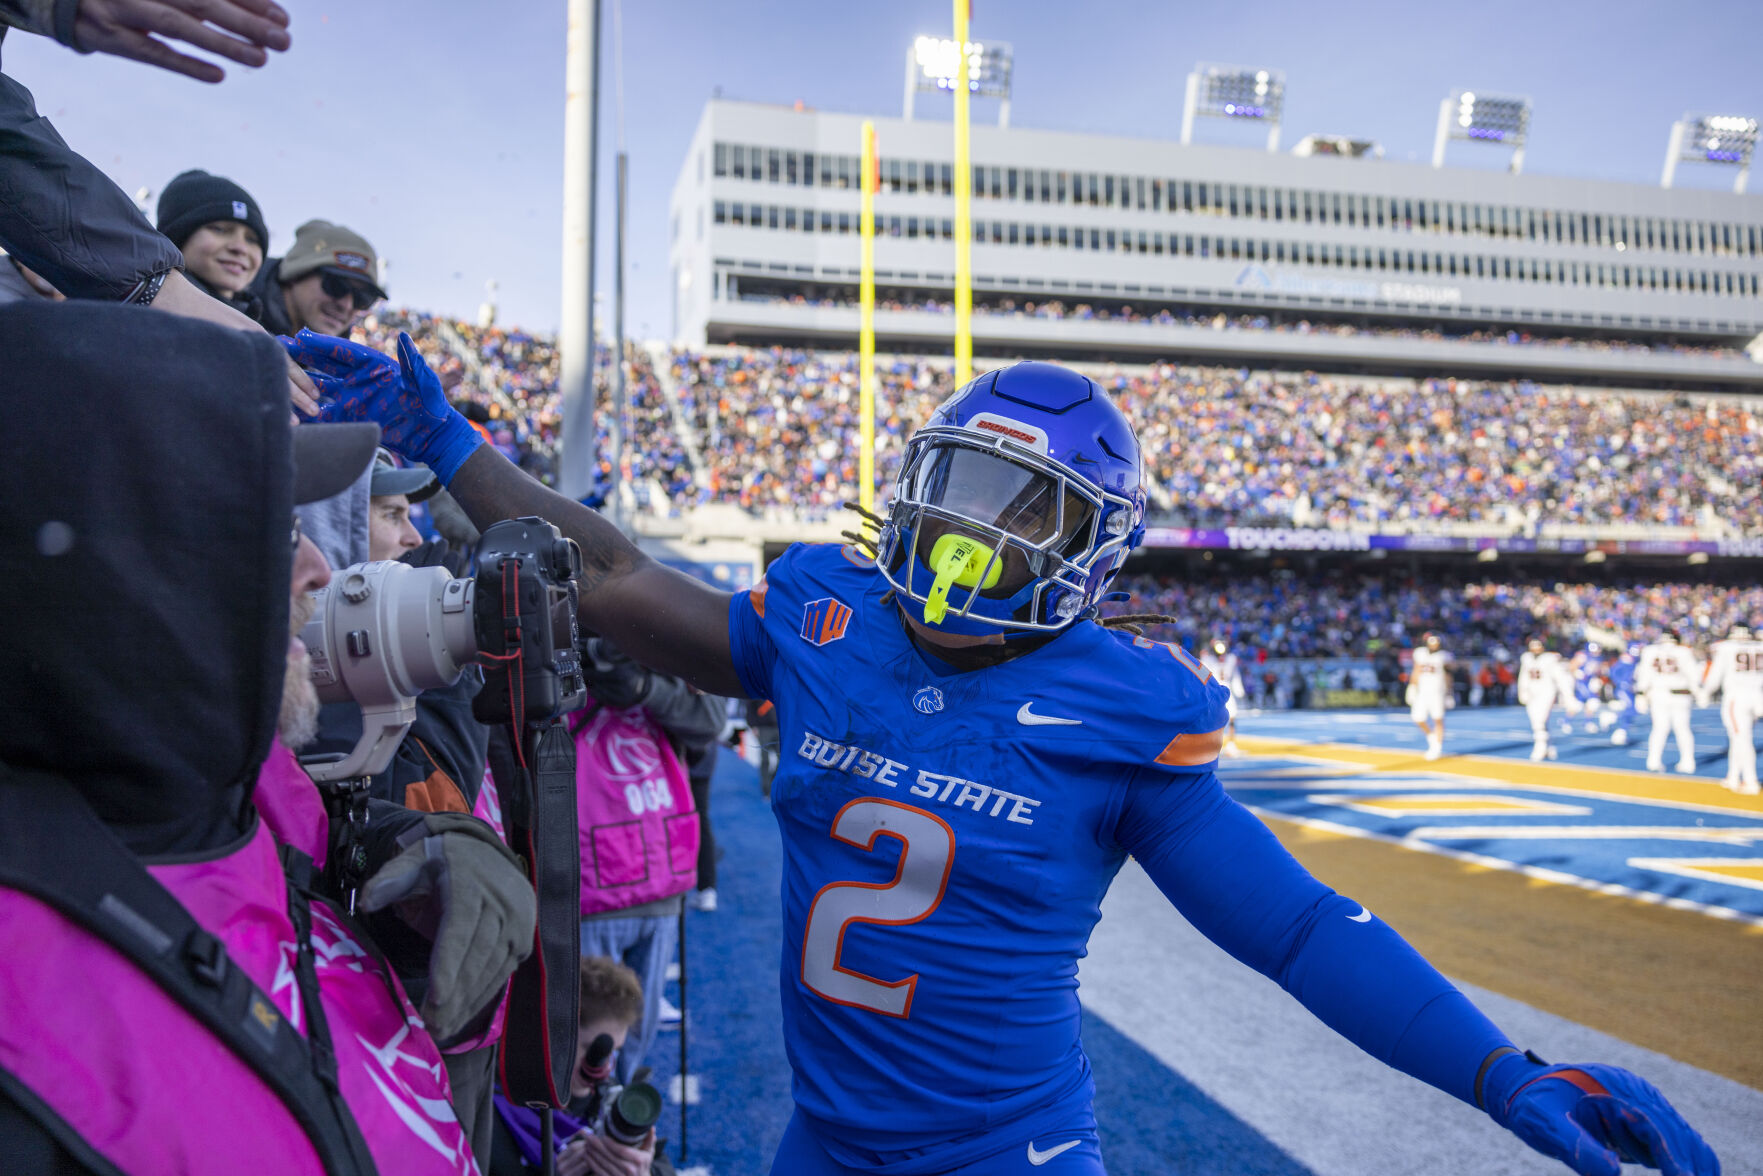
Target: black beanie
{"x": 196, "y": 198}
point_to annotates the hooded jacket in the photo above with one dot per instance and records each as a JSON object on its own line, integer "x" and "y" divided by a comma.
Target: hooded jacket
{"x": 145, "y": 567}
{"x": 144, "y": 563}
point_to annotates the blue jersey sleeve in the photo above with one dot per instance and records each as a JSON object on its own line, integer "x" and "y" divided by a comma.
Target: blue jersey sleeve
{"x": 753, "y": 650}
{"x": 1231, "y": 878}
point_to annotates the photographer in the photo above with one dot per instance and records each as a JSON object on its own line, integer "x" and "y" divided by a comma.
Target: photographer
{"x": 437, "y": 768}
{"x": 631, "y": 744}
{"x": 182, "y": 1002}
{"x": 611, "y": 1004}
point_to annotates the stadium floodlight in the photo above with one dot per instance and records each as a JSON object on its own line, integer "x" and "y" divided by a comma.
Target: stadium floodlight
{"x": 1235, "y": 92}
{"x": 1728, "y": 139}
{"x": 1499, "y": 119}
{"x": 932, "y": 63}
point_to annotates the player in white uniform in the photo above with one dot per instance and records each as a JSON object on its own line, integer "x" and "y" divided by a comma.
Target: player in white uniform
{"x": 1668, "y": 673}
{"x": 1736, "y": 670}
{"x": 1222, "y": 664}
{"x": 1429, "y": 688}
{"x": 1543, "y": 678}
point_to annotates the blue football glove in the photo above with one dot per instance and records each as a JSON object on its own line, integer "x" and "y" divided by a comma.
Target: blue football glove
{"x": 1593, "y": 1118}
{"x": 405, "y": 398}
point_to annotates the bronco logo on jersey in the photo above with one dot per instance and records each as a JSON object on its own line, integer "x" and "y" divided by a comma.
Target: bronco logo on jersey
{"x": 824, "y": 620}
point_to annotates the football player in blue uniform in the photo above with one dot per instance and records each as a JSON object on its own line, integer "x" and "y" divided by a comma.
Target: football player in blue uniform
{"x": 968, "y": 757}
{"x": 1588, "y": 684}
{"x": 1622, "y": 688}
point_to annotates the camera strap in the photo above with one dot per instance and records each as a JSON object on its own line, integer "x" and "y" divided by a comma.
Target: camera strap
{"x": 113, "y": 896}
{"x": 539, "y": 808}
{"x": 345, "y": 863}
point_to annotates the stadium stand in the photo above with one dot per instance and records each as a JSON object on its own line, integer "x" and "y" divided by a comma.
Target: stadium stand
{"x": 775, "y": 431}
{"x": 1339, "y": 612}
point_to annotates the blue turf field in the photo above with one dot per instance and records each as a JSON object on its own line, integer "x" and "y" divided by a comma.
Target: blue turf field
{"x": 1695, "y": 849}
{"x": 1498, "y": 730}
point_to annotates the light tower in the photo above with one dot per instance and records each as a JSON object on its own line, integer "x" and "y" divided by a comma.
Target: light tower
{"x": 1727, "y": 139}
{"x": 1483, "y": 118}
{"x": 932, "y": 63}
{"x": 1237, "y": 93}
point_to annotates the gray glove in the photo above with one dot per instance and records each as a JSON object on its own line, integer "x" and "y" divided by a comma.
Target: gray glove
{"x": 464, "y": 890}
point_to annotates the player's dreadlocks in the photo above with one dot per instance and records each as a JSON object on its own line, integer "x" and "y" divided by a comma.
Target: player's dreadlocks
{"x": 869, "y": 537}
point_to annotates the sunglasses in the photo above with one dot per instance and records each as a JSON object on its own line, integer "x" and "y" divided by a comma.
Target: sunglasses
{"x": 296, "y": 536}
{"x": 336, "y": 286}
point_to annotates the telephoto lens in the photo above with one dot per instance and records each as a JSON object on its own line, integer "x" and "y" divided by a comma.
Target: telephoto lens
{"x": 628, "y": 1117}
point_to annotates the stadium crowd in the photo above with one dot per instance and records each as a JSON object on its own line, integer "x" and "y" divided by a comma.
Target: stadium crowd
{"x": 774, "y": 431}
{"x": 1344, "y": 613}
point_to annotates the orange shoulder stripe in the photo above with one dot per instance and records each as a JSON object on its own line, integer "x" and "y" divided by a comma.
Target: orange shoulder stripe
{"x": 1191, "y": 750}
{"x": 756, "y": 596}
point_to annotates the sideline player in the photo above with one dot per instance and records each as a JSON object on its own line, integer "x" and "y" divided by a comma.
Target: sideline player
{"x": 1667, "y": 674}
{"x": 1622, "y": 673}
{"x": 1542, "y": 678}
{"x": 1429, "y": 692}
{"x": 1588, "y": 687}
{"x": 1222, "y": 664}
{"x": 1736, "y": 670}
{"x": 968, "y": 759}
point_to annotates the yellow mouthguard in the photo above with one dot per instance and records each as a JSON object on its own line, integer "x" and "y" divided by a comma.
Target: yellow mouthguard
{"x": 957, "y": 559}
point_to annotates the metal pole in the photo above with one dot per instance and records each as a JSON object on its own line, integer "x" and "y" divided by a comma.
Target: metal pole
{"x": 866, "y": 328}
{"x": 1443, "y": 133}
{"x": 963, "y": 207}
{"x": 620, "y": 406}
{"x": 1189, "y": 108}
{"x": 907, "y": 103}
{"x": 685, "y": 1082}
{"x": 1673, "y": 149}
{"x": 575, "y": 336}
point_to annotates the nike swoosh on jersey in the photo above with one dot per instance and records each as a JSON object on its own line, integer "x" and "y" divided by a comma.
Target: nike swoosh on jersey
{"x": 1029, "y": 719}
{"x": 1364, "y": 916}
{"x": 1037, "y": 1158}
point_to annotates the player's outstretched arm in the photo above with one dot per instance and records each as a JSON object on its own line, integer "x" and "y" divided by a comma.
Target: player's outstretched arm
{"x": 1228, "y": 875}
{"x": 663, "y": 618}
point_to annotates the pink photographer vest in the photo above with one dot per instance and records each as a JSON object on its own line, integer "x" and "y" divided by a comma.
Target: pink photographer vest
{"x": 146, "y": 1085}
{"x": 639, "y": 828}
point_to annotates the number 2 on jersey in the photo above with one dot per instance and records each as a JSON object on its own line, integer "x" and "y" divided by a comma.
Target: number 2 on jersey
{"x": 927, "y": 853}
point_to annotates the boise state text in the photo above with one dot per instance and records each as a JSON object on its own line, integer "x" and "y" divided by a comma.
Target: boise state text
{"x": 948, "y": 840}
{"x": 938, "y": 786}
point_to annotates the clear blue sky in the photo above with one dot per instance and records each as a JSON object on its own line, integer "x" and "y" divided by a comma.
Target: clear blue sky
{"x": 435, "y": 127}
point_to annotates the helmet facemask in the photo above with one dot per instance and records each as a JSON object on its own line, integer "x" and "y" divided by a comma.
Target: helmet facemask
{"x": 989, "y": 535}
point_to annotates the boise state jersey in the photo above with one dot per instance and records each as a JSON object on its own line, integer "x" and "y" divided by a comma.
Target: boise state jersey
{"x": 1588, "y": 672}
{"x": 947, "y": 841}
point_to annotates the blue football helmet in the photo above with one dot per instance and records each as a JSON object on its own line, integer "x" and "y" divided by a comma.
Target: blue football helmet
{"x": 1015, "y": 505}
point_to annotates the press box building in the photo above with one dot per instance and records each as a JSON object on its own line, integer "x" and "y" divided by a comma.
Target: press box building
{"x": 1145, "y": 244}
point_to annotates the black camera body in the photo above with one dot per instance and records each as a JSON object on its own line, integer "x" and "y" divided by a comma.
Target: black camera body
{"x": 524, "y": 613}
